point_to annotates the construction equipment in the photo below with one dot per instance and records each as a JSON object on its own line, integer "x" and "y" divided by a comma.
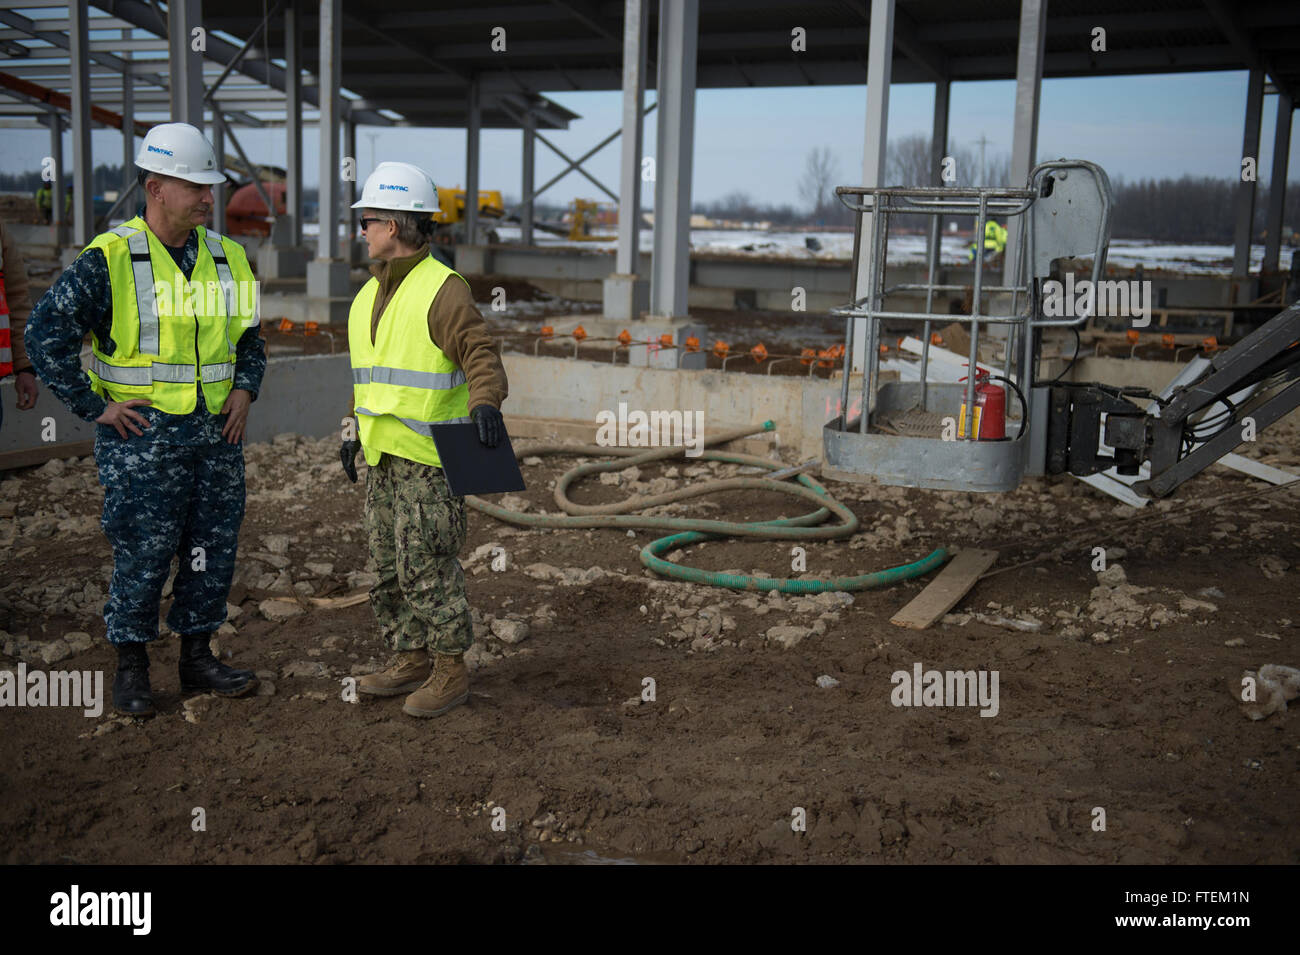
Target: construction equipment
{"x": 246, "y": 211}
{"x": 587, "y": 213}
{"x": 450, "y": 218}
{"x": 576, "y": 224}
{"x": 912, "y": 433}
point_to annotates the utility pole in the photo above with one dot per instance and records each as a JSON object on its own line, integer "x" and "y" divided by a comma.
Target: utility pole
{"x": 982, "y": 141}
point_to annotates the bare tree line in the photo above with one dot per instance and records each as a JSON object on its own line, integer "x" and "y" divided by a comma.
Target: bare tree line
{"x": 1185, "y": 209}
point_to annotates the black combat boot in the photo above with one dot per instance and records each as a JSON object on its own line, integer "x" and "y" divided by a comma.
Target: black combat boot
{"x": 132, "y": 695}
{"x": 201, "y": 671}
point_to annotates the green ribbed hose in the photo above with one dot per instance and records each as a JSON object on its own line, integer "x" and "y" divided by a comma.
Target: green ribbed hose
{"x": 691, "y": 530}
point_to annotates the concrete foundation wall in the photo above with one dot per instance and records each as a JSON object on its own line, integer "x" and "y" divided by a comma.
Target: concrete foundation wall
{"x": 310, "y": 395}
{"x": 307, "y": 395}
{"x": 578, "y": 390}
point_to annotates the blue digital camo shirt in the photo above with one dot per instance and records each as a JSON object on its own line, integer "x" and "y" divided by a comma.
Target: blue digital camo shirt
{"x": 81, "y": 301}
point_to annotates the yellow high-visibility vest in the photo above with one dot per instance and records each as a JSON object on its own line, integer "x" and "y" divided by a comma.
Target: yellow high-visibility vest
{"x": 403, "y": 385}
{"x": 170, "y": 333}
{"x": 995, "y": 236}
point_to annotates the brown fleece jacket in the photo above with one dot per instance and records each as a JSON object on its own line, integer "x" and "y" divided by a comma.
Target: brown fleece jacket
{"x": 18, "y": 293}
{"x": 455, "y": 326}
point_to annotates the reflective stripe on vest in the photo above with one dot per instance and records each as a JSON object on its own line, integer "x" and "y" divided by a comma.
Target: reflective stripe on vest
{"x": 158, "y": 371}
{"x": 146, "y": 296}
{"x": 224, "y": 278}
{"x": 432, "y": 380}
{"x": 422, "y": 427}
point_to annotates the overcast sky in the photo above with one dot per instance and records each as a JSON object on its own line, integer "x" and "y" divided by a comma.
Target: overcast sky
{"x": 756, "y": 140}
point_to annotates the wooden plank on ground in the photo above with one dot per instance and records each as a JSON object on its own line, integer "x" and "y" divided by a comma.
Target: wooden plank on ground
{"x": 1112, "y": 484}
{"x": 29, "y": 456}
{"x": 1257, "y": 469}
{"x": 943, "y": 593}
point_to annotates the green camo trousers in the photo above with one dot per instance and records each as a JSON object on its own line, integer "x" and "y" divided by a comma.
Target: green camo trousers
{"x": 416, "y": 528}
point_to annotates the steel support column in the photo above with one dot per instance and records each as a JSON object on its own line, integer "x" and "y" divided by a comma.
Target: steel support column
{"x": 219, "y": 197}
{"x": 83, "y": 206}
{"x": 880, "y": 65}
{"x": 1024, "y": 139}
{"x": 128, "y": 123}
{"x": 938, "y": 150}
{"x": 350, "y": 190}
{"x": 186, "y": 66}
{"x": 331, "y": 55}
{"x": 1245, "y": 202}
{"x": 293, "y": 122}
{"x": 57, "y": 187}
{"x": 635, "y": 15}
{"x": 939, "y": 131}
{"x": 473, "y": 124}
{"x": 526, "y": 184}
{"x": 670, "y": 269}
{"x": 1277, "y": 183}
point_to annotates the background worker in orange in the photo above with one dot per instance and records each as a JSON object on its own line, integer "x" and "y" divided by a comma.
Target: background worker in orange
{"x": 15, "y": 308}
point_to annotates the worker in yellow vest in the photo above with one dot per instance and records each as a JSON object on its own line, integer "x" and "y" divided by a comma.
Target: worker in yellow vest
{"x": 44, "y": 205}
{"x": 995, "y": 241}
{"x": 422, "y": 356}
{"x": 176, "y": 359}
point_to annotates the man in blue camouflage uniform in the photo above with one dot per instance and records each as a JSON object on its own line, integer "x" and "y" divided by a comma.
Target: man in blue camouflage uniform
{"x": 174, "y": 483}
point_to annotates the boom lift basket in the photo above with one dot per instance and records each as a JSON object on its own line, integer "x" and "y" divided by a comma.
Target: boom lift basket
{"x": 901, "y": 435}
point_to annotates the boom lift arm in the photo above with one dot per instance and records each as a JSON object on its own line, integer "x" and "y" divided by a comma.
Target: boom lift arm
{"x": 1254, "y": 383}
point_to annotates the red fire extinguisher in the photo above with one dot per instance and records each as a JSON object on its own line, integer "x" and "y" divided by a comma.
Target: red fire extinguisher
{"x": 990, "y": 410}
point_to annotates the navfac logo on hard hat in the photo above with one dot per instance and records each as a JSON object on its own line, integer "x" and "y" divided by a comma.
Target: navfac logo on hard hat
{"x": 158, "y": 149}
{"x": 383, "y": 186}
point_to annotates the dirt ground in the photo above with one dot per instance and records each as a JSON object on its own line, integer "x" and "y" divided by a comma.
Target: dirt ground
{"x": 1115, "y": 696}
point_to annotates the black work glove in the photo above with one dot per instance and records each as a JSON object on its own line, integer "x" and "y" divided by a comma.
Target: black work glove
{"x": 348, "y": 454}
{"x": 490, "y": 425}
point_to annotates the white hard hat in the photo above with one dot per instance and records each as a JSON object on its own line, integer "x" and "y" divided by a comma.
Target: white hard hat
{"x": 400, "y": 187}
{"x": 180, "y": 150}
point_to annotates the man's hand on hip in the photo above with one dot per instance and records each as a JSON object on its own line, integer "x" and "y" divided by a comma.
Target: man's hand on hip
{"x": 490, "y": 424}
{"x": 25, "y": 385}
{"x": 119, "y": 415}
{"x": 236, "y": 407}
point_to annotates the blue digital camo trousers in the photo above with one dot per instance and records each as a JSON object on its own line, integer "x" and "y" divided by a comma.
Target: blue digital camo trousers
{"x": 416, "y": 527}
{"x": 162, "y": 500}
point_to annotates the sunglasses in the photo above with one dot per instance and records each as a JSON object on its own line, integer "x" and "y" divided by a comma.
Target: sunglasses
{"x": 365, "y": 223}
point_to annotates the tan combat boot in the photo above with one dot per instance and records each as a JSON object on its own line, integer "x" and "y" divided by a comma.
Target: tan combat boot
{"x": 446, "y": 687}
{"x": 408, "y": 670}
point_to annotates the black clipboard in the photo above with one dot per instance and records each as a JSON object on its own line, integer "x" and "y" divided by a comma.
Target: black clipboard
{"x": 471, "y": 466}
